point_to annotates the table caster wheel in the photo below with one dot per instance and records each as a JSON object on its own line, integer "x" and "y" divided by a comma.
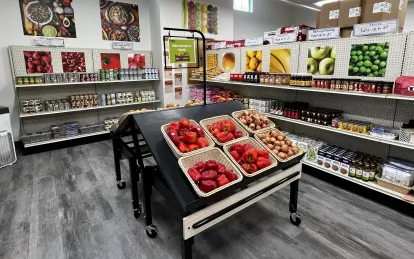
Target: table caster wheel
{"x": 295, "y": 219}
{"x": 137, "y": 212}
{"x": 121, "y": 184}
{"x": 151, "y": 231}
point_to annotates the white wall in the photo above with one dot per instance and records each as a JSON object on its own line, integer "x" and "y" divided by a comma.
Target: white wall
{"x": 302, "y": 15}
{"x": 88, "y": 29}
{"x": 409, "y": 18}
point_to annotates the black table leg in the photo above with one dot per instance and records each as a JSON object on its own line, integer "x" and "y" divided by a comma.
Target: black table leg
{"x": 186, "y": 246}
{"x": 133, "y": 170}
{"x": 147, "y": 182}
{"x": 117, "y": 157}
{"x": 293, "y": 204}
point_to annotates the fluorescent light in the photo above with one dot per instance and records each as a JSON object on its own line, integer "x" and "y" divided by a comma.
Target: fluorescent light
{"x": 320, "y": 3}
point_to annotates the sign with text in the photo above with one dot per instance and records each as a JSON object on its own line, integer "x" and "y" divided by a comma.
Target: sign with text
{"x": 324, "y": 34}
{"x": 123, "y": 45}
{"x": 253, "y": 42}
{"x": 376, "y": 28}
{"x": 182, "y": 51}
{"x": 49, "y": 42}
{"x": 284, "y": 38}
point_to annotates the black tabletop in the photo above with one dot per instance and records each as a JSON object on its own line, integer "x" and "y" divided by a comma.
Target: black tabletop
{"x": 150, "y": 125}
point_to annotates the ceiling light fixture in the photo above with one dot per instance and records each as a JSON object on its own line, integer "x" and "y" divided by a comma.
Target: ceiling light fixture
{"x": 320, "y": 3}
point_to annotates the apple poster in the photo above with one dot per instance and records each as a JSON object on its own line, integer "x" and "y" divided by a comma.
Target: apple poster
{"x": 368, "y": 59}
{"x": 321, "y": 60}
{"x": 280, "y": 61}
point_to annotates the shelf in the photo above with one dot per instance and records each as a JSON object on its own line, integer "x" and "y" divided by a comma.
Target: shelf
{"x": 328, "y": 128}
{"x": 65, "y": 139}
{"x": 84, "y": 109}
{"x": 371, "y": 185}
{"x": 86, "y": 83}
{"x": 309, "y": 89}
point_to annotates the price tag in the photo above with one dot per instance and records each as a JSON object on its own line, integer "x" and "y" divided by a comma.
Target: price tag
{"x": 123, "y": 45}
{"x": 324, "y": 34}
{"x": 376, "y": 28}
{"x": 49, "y": 42}
{"x": 283, "y": 38}
{"x": 253, "y": 42}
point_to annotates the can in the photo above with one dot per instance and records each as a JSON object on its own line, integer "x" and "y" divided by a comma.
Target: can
{"x": 333, "y": 84}
{"x": 326, "y": 84}
{"x": 338, "y": 85}
{"x": 345, "y": 85}
{"x": 361, "y": 87}
{"x": 379, "y": 88}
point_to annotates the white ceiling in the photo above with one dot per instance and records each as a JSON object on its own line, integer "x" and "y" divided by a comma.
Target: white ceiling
{"x": 303, "y": 3}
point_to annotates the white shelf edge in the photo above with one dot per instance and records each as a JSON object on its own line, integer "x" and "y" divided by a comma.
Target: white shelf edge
{"x": 328, "y": 128}
{"x": 85, "y": 109}
{"x": 85, "y": 83}
{"x": 65, "y": 139}
{"x": 310, "y": 89}
{"x": 371, "y": 185}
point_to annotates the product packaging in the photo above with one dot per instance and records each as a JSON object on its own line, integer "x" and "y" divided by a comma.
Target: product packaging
{"x": 329, "y": 15}
{"x": 382, "y": 10}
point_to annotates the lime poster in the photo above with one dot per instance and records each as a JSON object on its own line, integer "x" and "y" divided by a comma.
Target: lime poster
{"x": 182, "y": 51}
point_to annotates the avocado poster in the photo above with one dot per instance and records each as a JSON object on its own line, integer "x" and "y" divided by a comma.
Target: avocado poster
{"x": 368, "y": 59}
{"x": 321, "y": 60}
{"x": 181, "y": 51}
{"x": 200, "y": 16}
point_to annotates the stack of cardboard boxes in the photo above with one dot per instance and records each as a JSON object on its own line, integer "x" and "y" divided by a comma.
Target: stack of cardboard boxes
{"x": 346, "y": 13}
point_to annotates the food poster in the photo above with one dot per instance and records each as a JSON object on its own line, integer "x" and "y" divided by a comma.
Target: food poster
{"x": 253, "y": 61}
{"x": 280, "y": 60}
{"x": 368, "y": 59}
{"x": 73, "y": 62}
{"x": 119, "y": 21}
{"x": 178, "y": 93}
{"x": 110, "y": 61}
{"x": 168, "y": 74}
{"x": 51, "y": 18}
{"x": 181, "y": 51}
{"x": 200, "y": 16}
{"x": 321, "y": 60}
{"x": 168, "y": 86}
{"x": 228, "y": 62}
{"x": 136, "y": 61}
{"x": 212, "y": 60}
{"x": 178, "y": 79}
{"x": 38, "y": 62}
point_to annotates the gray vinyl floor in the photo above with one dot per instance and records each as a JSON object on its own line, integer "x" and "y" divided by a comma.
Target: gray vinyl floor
{"x": 65, "y": 204}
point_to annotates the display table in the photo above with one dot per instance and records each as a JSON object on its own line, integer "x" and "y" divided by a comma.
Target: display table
{"x": 198, "y": 213}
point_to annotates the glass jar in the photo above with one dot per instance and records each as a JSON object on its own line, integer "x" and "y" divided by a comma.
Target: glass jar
{"x": 366, "y": 172}
{"x": 352, "y": 169}
{"x": 359, "y": 170}
{"x": 373, "y": 171}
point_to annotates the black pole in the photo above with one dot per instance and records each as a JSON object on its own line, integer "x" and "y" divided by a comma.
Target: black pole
{"x": 204, "y": 57}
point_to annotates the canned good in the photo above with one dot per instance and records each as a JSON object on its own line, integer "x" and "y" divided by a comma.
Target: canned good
{"x": 387, "y": 88}
{"x": 326, "y": 84}
{"x": 345, "y": 85}
{"x": 333, "y": 84}
{"x": 379, "y": 88}
{"x": 361, "y": 87}
{"x": 338, "y": 85}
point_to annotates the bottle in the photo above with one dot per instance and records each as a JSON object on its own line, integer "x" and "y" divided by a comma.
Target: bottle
{"x": 293, "y": 80}
{"x": 359, "y": 169}
{"x": 372, "y": 171}
{"x": 352, "y": 169}
{"x": 366, "y": 172}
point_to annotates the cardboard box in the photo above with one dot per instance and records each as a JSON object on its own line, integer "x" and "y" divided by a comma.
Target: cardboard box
{"x": 318, "y": 17}
{"x": 329, "y": 15}
{"x": 382, "y": 10}
{"x": 346, "y": 32}
{"x": 349, "y": 13}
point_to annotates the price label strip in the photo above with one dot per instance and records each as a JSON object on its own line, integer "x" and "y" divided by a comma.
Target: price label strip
{"x": 376, "y": 28}
{"x": 285, "y": 38}
{"x": 324, "y": 34}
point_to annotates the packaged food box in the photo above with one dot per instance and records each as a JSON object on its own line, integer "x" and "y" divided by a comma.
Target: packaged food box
{"x": 329, "y": 158}
{"x": 337, "y": 159}
{"x": 301, "y": 30}
{"x": 349, "y": 13}
{"x": 322, "y": 154}
{"x": 329, "y": 15}
{"x": 346, "y": 161}
{"x": 382, "y": 10}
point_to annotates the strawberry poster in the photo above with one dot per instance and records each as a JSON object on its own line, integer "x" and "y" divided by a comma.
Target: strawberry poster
{"x": 38, "y": 62}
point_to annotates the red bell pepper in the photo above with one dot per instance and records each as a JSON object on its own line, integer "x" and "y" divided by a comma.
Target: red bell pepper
{"x": 238, "y": 134}
{"x": 173, "y": 136}
{"x": 222, "y": 180}
{"x": 173, "y": 128}
{"x": 231, "y": 175}
{"x": 237, "y": 147}
{"x": 209, "y": 175}
{"x": 183, "y": 148}
{"x": 215, "y": 132}
{"x": 235, "y": 155}
{"x": 228, "y": 127}
{"x": 240, "y": 161}
{"x": 246, "y": 167}
{"x": 247, "y": 147}
{"x": 221, "y": 168}
{"x": 182, "y": 131}
{"x": 194, "y": 174}
{"x": 250, "y": 155}
{"x": 211, "y": 165}
{"x": 253, "y": 168}
{"x": 191, "y": 127}
{"x": 193, "y": 147}
{"x": 217, "y": 125}
{"x": 190, "y": 137}
{"x": 202, "y": 142}
{"x": 263, "y": 153}
{"x": 200, "y": 167}
{"x": 199, "y": 131}
{"x": 175, "y": 124}
{"x": 184, "y": 122}
{"x": 207, "y": 185}
{"x": 262, "y": 162}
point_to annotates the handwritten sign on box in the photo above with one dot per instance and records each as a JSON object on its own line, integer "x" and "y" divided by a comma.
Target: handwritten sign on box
{"x": 284, "y": 38}
{"x": 324, "y": 34}
{"x": 376, "y": 28}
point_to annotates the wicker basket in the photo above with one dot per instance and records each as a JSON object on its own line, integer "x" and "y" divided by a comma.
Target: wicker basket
{"x": 175, "y": 150}
{"x": 251, "y": 132}
{"x": 206, "y": 122}
{"x": 393, "y": 186}
{"x": 212, "y": 154}
{"x": 255, "y": 144}
{"x": 270, "y": 151}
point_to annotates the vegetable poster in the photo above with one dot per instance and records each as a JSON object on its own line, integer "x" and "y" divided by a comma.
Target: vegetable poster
{"x": 53, "y": 18}
{"x": 200, "y": 16}
{"x": 120, "y": 21}
{"x": 110, "y": 61}
{"x": 181, "y": 51}
{"x": 369, "y": 59}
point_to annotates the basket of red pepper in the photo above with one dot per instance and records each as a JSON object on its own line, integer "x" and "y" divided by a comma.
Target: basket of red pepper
{"x": 209, "y": 171}
{"x": 186, "y": 137}
{"x": 250, "y": 157}
{"x": 223, "y": 129}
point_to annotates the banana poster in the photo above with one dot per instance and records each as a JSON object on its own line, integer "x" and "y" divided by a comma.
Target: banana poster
{"x": 280, "y": 60}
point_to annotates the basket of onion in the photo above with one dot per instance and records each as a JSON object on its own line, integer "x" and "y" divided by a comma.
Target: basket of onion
{"x": 253, "y": 121}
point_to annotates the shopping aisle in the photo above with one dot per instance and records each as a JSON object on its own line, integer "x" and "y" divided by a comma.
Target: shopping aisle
{"x": 65, "y": 204}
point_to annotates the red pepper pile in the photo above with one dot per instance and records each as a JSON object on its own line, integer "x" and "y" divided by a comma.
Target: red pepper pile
{"x": 211, "y": 175}
{"x": 249, "y": 158}
{"x": 185, "y": 136}
{"x": 224, "y": 131}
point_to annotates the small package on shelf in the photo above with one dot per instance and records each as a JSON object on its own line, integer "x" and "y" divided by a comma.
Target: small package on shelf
{"x": 32, "y": 106}
{"x": 34, "y": 137}
{"x": 67, "y": 129}
{"x": 91, "y": 128}
{"x": 109, "y": 122}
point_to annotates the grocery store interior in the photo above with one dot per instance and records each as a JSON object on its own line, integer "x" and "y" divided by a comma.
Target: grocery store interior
{"x": 207, "y": 129}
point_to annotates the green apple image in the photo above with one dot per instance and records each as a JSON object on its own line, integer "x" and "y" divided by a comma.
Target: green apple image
{"x": 327, "y": 66}
{"x": 319, "y": 52}
{"x": 198, "y": 5}
{"x": 333, "y": 52}
{"x": 312, "y": 66}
